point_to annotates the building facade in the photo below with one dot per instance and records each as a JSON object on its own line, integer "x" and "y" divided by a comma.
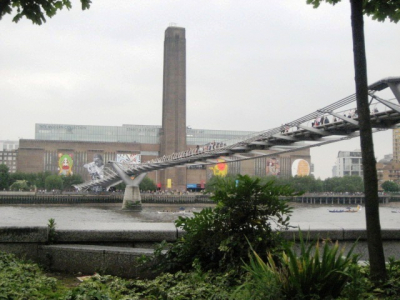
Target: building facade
{"x": 8, "y": 154}
{"x": 77, "y": 157}
{"x": 348, "y": 163}
{"x": 396, "y": 144}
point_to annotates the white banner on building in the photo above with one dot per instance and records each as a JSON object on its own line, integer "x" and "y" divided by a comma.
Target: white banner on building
{"x": 129, "y": 159}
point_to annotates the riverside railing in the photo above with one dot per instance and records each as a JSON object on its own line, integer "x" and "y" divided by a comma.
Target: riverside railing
{"x": 315, "y": 199}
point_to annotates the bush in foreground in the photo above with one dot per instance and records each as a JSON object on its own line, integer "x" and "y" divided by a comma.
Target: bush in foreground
{"x": 313, "y": 274}
{"x": 24, "y": 280}
{"x": 216, "y": 238}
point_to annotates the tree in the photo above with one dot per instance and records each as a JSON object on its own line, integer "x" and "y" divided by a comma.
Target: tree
{"x": 53, "y": 182}
{"x": 35, "y": 10}
{"x": 218, "y": 238}
{"x": 306, "y": 184}
{"x": 390, "y": 186}
{"x": 40, "y": 179}
{"x": 4, "y": 177}
{"x": 350, "y": 184}
{"x": 147, "y": 185}
{"x": 20, "y": 185}
{"x": 69, "y": 181}
{"x": 379, "y": 10}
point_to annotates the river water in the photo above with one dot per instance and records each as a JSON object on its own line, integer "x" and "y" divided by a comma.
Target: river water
{"x": 110, "y": 216}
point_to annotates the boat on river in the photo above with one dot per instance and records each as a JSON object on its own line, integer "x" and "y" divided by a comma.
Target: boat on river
{"x": 181, "y": 211}
{"x": 346, "y": 210}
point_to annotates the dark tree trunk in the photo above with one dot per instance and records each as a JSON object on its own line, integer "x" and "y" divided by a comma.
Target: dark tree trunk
{"x": 375, "y": 247}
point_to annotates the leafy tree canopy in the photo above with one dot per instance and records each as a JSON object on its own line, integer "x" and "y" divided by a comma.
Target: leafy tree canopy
{"x": 4, "y": 177}
{"x": 377, "y": 9}
{"x": 53, "y": 182}
{"x": 390, "y": 186}
{"x": 147, "y": 185}
{"x": 20, "y": 185}
{"x": 36, "y": 10}
{"x": 219, "y": 238}
{"x": 69, "y": 181}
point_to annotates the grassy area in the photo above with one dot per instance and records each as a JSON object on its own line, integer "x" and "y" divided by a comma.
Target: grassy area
{"x": 25, "y": 280}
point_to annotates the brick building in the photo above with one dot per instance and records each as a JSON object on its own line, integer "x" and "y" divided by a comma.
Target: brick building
{"x": 66, "y": 149}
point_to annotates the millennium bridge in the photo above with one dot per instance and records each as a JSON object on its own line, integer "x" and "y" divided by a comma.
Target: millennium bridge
{"x": 340, "y": 122}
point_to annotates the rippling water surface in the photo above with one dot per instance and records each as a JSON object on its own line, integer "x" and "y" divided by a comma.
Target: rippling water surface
{"x": 111, "y": 216}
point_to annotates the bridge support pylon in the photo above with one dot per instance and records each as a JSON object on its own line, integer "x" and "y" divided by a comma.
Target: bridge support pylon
{"x": 132, "y": 199}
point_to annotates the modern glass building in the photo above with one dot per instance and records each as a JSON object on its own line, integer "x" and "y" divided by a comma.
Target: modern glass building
{"x": 143, "y": 134}
{"x": 348, "y": 163}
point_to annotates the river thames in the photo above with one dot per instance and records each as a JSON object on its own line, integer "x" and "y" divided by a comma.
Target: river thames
{"x": 110, "y": 216}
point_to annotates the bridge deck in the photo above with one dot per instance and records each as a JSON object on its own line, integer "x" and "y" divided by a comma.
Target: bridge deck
{"x": 302, "y": 133}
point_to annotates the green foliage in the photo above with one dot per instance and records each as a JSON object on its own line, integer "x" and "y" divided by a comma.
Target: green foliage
{"x": 309, "y": 275}
{"x": 379, "y": 10}
{"x": 4, "y": 177}
{"x": 40, "y": 179}
{"x": 36, "y": 179}
{"x": 182, "y": 286}
{"x": 264, "y": 280}
{"x": 390, "y": 186}
{"x": 306, "y": 183}
{"x": 313, "y": 274}
{"x": 213, "y": 182}
{"x": 36, "y": 10}
{"x": 24, "y": 280}
{"x": 52, "y": 231}
{"x": 20, "y": 185}
{"x": 351, "y": 184}
{"x": 216, "y": 237}
{"x": 53, "y": 182}
{"x": 69, "y": 181}
{"x": 147, "y": 185}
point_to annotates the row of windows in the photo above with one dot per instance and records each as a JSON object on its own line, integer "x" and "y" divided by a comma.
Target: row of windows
{"x": 130, "y": 134}
{"x": 7, "y": 158}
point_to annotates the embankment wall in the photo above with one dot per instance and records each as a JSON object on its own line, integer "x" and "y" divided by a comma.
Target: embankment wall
{"x": 115, "y": 252}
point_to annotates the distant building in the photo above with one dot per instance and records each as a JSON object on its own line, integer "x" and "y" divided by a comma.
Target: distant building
{"x": 8, "y": 154}
{"x": 348, "y": 163}
{"x": 334, "y": 171}
{"x": 388, "y": 170}
{"x": 396, "y": 144}
{"x": 388, "y": 158}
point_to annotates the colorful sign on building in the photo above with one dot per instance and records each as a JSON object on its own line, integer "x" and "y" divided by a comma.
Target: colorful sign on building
{"x": 220, "y": 169}
{"x": 300, "y": 167}
{"x": 65, "y": 164}
{"x": 129, "y": 159}
{"x": 272, "y": 167}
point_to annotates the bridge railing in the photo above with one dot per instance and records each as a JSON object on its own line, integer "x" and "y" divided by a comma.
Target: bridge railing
{"x": 340, "y": 112}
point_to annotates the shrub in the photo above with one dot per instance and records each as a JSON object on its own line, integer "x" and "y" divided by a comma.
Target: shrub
{"x": 53, "y": 182}
{"x": 25, "y": 280}
{"x": 20, "y": 185}
{"x": 216, "y": 237}
{"x": 310, "y": 275}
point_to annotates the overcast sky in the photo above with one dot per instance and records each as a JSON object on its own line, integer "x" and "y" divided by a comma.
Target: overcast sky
{"x": 250, "y": 66}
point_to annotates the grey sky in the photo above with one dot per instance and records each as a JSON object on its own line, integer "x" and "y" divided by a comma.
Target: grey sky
{"x": 250, "y": 66}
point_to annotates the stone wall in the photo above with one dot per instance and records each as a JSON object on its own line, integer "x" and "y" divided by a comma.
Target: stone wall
{"x": 115, "y": 252}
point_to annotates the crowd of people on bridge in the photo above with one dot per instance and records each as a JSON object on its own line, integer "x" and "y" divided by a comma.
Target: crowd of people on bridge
{"x": 325, "y": 119}
{"x": 192, "y": 151}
